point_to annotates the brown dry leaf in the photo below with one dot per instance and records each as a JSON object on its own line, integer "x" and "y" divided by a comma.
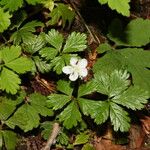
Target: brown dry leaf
{"x": 146, "y": 124}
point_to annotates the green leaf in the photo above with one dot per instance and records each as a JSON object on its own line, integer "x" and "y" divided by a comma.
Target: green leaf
{"x": 64, "y": 87}
{"x": 42, "y": 66}
{"x": 88, "y": 147}
{"x": 48, "y": 4}
{"x": 82, "y": 138}
{"x": 62, "y": 11}
{"x": 87, "y": 88}
{"x": 26, "y": 117}
{"x": 47, "y": 128}
{"x": 34, "y": 45}
{"x": 38, "y": 102}
{"x": 10, "y": 54}
{"x": 98, "y": 110}
{"x": 121, "y": 6}
{"x": 119, "y": 118}
{"x": 55, "y": 39}
{"x": 24, "y": 34}
{"x": 133, "y": 98}
{"x": 112, "y": 84}
{"x": 130, "y": 35}
{"x": 136, "y": 61}
{"x": 104, "y": 47}
{"x": 20, "y": 65}
{"x": 70, "y": 116}
{"x": 57, "y": 101}
{"x": 33, "y": 2}
{"x": 10, "y": 139}
{"x": 12, "y": 5}
{"x": 63, "y": 139}
{"x": 76, "y": 42}
{"x": 5, "y": 20}
{"x": 9, "y": 81}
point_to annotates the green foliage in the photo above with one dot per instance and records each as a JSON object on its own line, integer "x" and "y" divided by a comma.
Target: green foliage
{"x": 129, "y": 36}
{"x": 62, "y": 11}
{"x": 88, "y": 147}
{"x": 8, "y": 138}
{"x": 27, "y": 115}
{"x": 121, "y": 6}
{"x": 5, "y": 20}
{"x": 24, "y": 34}
{"x": 12, "y": 63}
{"x": 136, "y": 61}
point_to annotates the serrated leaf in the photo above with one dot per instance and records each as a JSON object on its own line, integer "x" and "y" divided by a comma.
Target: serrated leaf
{"x": 62, "y": 11}
{"x": 55, "y": 39}
{"x": 10, "y": 139}
{"x": 119, "y": 118}
{"x": 64, "y": 87}
{"x": 9, "y": 81}
{"x": 76, "y": 42}
{"x": 46, "y": 127}
{"x": 112, "y": 84}
{"x": 104, "y": 47}
{"x": 42, "y": 66}
{"x": 5, "y": 20}
{"x": 133, "y": 98}
{"x": 121, "y": 6}
{"x": 87, "y": 88}
{"x": 82, "y": 138}
{"x": 9, "y": 54}
{"x": 57, "y": 101}
{"x": 26, "y": 117}
{"x": 34, "y": 45}
{"x": 130, "y": 35}
{"x": 136, "y": 61}
{"x": 24, "y": 34}
{"x": 70, "y": 116}
{"x": 12, "y": 5}
{"x": 48, "y": 53}
{"x": 38, "y": 102}
{"x": 63, "y": 139}
{"x": 48, "y": 4}
{"x": 20, "y": 65}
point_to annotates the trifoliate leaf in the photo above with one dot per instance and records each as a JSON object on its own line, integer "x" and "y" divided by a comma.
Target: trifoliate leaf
{"x": 70, "y": 116}
{"x": 20, "y": 65}
{"x": 82, "y": 138}
{"x": 121, "y": 6}
{"x": 41, "y": 65}
{"x": 47, "y": 128}
{"x": 38, "y": 102}
{"x": 87, "y": 88}
{"x": 130, "y": 35}
{"x": 5, "y": 20}
{"x": 55, "y": 39}
{"x": 119, "y": 118}
{"x": 9, "y": 81}
{"x": 112, "y": 84}
{"x": 133, "y": 98}
{"x": 62, "y": 11}
{"x": 64, "y": 87}
{"x": 9, "y": 54}
{"x": 34, "y": 45}
{"x": 26, "y": 117}
{"x": 76, "y": 42}
{"x": 136, "y": 61}
{"x": 57, "y": 101}
{"x": 12, "y": 5}
{"x": 98, "y": 110}
{"x": 104, "y": 47}
{"x": 24, "y": 34}
{"x": 10, "y": 139}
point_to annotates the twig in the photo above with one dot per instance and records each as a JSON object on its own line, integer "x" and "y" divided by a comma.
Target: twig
{"x": 55, "y": 132}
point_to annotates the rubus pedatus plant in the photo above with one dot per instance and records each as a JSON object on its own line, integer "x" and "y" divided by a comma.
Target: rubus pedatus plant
{"x": 30, "y": 46}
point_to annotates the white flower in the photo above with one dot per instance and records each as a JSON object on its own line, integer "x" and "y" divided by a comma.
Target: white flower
{"x": 76, "y": 69}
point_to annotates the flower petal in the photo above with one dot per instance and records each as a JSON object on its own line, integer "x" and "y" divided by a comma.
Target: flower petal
{"x": 73, "y": 76}
{"x": 83, "y": 72}
{"x": 82, "y": 63}
{"x": 73, "y": 61}
{"x": 67, "y": 70}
